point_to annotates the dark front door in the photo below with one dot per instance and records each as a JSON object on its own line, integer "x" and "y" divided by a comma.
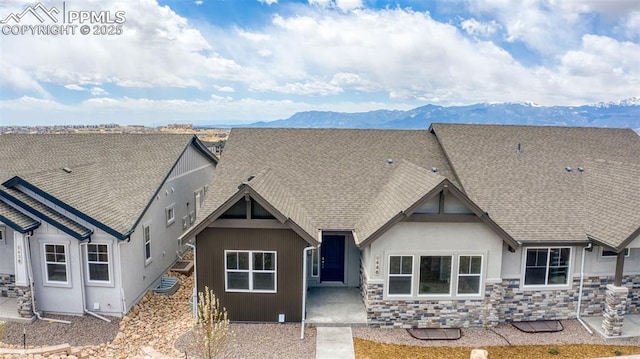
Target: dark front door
{"x": 332, "y": 259}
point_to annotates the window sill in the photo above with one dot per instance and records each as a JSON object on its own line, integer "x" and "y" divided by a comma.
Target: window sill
{"x": 109, "y": 284}
{"x": 57, "y": 284}
{"x": 250, "y": 291}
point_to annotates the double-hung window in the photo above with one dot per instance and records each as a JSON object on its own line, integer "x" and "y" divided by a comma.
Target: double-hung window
{"x": 146, "y": 235}
{"x": 250, "y": 271}
{"x": 547, "y": 266}
{"x": 400, "y": 275}
{"x": 98, "y": 262}
{"x": 56, "y": 268}
{"x": 469, "y": 274}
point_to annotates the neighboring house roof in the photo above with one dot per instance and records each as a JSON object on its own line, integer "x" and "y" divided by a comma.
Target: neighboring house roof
{"x": 530, "y": 193}
{"x": 17, "y": 220}
{"x": 328, "y": 179}
{"x": 106, "y": 179}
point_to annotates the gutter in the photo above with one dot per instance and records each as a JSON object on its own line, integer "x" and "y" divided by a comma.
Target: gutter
{"x": 194, "y": 295}
{"x": 304, "y": 289}
{"x": 578, "y": 316}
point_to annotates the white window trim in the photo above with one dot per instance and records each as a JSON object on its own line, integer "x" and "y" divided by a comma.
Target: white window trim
{"x": 602, "y": 256}
{"x": 569, "y": 283}
{"x": 98, "y": 283}
{"x": 413, "y": 270}
{"x": 144, "y": 244}
{"x": 251, "y": 271}
{"x": 452, "y": 275}
{"x": 415, "y": 279}
{"x": 170, "y": 209}
{"x": 458, "y": 275}
{"x": 45, "y": 270}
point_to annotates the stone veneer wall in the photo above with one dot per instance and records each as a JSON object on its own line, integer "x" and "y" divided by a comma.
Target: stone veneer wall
{"x": 9, "y": 289}
{"x": 502, "y": 302}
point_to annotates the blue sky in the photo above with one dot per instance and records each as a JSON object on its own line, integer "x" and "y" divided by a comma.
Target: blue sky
{"x": 239, "y": 61}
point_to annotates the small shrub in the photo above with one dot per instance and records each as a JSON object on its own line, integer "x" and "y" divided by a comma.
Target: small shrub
{"x": 554, "y": 351}
{"x": 618, "y": 353}
{"x": 211, "y": 328}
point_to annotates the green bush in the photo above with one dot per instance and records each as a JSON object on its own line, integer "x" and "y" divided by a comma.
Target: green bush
{"x": 554, "y": 351}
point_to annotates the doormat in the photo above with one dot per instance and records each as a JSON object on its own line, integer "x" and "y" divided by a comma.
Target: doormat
{"x": 435, "y": 333}
{"x": 539, "y": 326}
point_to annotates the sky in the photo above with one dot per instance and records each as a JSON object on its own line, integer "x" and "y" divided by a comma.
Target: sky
{"x": 213, "y": 62}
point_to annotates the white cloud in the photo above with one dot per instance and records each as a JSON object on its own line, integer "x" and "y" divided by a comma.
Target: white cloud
{"x": 268, "y": 2}
{"x": 477, "y": 28}
{"x": 75, "y": 87}
{"x": 198, "y": 2}
{"x": 343, "y": 5}
{"x": 97, "y": 91}
{"x": 226, "y": 89}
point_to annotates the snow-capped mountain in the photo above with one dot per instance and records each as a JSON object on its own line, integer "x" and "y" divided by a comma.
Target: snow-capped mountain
{"x": 624, "y": 113}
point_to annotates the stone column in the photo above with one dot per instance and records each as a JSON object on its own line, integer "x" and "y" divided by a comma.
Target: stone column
{"x": 24, "y": 302}
{"x": 615, "y": 306}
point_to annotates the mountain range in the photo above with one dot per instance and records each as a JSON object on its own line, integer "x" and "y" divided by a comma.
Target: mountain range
{"x": 624, "y": 113}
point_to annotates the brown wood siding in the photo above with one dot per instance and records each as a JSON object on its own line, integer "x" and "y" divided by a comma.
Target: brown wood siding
{"x": 258, "y": 307}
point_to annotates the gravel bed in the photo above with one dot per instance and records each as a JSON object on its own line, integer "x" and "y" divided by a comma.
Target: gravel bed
{"x": 503, "y": 334}
{"x": 82, "y": 331}
{"x": 264, "y": 341}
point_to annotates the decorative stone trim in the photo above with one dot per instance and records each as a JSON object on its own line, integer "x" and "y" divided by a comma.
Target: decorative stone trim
{"x": 9, "y": 289}
{"x": 502, "y": 302}
{"x": 615, "y": 306}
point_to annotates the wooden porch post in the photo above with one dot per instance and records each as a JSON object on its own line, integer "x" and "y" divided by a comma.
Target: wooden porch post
{"x": 617, "y": 279}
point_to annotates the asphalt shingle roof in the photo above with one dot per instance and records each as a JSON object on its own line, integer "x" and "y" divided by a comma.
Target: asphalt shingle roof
{"x": 113, "y": 176}
{"x": 530, "y": 193}
{"x": 16, "y": 219}
{"x": 331, "y": 177}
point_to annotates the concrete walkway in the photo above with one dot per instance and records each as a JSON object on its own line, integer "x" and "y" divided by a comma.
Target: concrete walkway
{"x": 9, "y": 310}
{"x": 630, "y": 326}
{"x": 335, "y": 307}
{"x": 334, "y": 343}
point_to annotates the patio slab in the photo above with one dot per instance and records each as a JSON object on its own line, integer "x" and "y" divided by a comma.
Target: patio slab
{"x": 630, "y": 327}
{"x": 335, "y": 307}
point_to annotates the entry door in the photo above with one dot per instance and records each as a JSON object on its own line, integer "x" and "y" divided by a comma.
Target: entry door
{"x": 332, "y": 259}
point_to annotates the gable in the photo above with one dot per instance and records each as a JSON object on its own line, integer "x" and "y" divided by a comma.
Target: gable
{"x": 441, "y": 203}
{"x": 247, "y": 208}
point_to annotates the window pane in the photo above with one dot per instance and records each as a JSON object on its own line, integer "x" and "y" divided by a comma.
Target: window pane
{"x": 399, "y": 285}
{"x": 476, "y": 265}
{"x": 92, "y": 257}
{"x": 57, "y": 272}
{"x": 469, "y": 285}
{"x": 559, "y": 257}
{"x": 264, "y": 281}
{"x": 147, "y": 250}
{"x": 238, "y": 280}
{"x": 314, "y": 263}
{"x": 464, "y": 265}
{"x": 232, "y": 260}
{"x": 99, "y": 272}
{"x": 558, "y": 275}
{"x": 534, "y": 276}
{"x": 257, "y": 261}
{"x": 103, "y": 257}
{"x": 435, "y": 275}
{"x": 269, "y": 262}
{"x": 537, "y": 257}
{"x": 407, "y": 264}
{"x": 394, "y": 265}
{"x": 243, "y": 260}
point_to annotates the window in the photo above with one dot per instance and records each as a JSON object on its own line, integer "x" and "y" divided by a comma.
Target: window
{"x": 469, "y": 274}
{"x": 450, "y": 275}
{"x": 55, "y": 259}
{"x": 608, "y": 254}
{"x": 237, "y": 211}
{"x": 170, "y": 214}
{"x": 98, "y": 262}
{"x": 146, "y": 235}
{"x": 400, "y": 275}
{"x": 3, "y": 235}
{"x": 435, "y": 275}
{"x": 314, "y": 263}
{"x": 250, "y": 271}
{"x": 258, "y": 212}
{"x": 547, "y": 266}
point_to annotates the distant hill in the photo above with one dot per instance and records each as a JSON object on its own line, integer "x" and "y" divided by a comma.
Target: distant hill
{"x": 625, "y": 113}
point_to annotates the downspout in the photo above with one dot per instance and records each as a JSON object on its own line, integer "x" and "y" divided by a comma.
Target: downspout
{"x": 122, "y": 298}
{"x": 194, "y": 295}
{"x": 304, "y": 289}
{"x": 83, "y": 289}
{"x": 33, "y": 293}
{"x": 578, "y": 316}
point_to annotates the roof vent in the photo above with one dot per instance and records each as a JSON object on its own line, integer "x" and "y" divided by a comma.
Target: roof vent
{"x": 66, "y": 169}
{"x": 434, "y": 169}
{"x": 581, "y": 169}
{"x": 250, "y": 178}
{"x": 390, "y": 161}
{"x": 519, "y": 149}
{"x": 569, "y": 169}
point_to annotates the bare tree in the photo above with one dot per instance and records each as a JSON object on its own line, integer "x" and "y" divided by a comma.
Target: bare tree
{"x": 211, "y": 329}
